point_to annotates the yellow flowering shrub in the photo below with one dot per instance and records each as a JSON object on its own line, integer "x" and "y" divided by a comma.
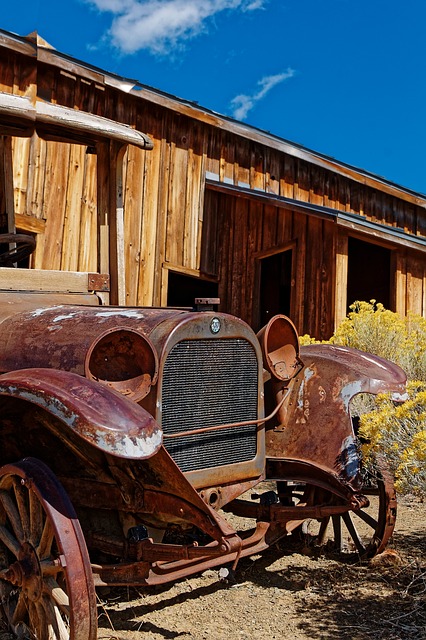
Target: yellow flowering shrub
{"x": 306, "y": 339}
{"x": 372, "y": 328}
{"x": 396, "y": 431}
{"x": 399, "y": 432}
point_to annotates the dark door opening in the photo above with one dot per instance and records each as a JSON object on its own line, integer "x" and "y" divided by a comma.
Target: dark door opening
{"x": 183, "y": 289}
{"x": 275, "y": 285}
{"x": 369, "y": 272}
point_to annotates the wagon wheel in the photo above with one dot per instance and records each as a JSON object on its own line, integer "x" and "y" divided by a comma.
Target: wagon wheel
{"x": 46, "y": 584}
{"x": 25, "y": 245}
{"x": 369, "y": 529}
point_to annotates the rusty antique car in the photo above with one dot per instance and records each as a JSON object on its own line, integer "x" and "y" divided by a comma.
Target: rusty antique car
{"x": 129, "y": 434}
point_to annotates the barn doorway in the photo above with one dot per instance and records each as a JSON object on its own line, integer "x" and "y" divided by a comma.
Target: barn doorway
{"x": 369, "y": 273}
{"x": 182, "y": 289}
{"x": 275, "y": 285}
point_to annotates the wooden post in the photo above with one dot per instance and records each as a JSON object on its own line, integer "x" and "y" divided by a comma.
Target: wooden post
{"x": 110, "y": 218}
{"x": 9, "y": 196}
{"x": 401, "y": 283}
{"x": 118, "y": 241}
{"x": 341, "y": 291}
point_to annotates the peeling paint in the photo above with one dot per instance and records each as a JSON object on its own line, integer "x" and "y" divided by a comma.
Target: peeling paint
{"x": 349, "y": 457}
{"x": 129, "y": 313}
{"x": 54, "y": 406}
{"x": 64, "y": 317}
{"x": 349, "y": 390}
{"x": 129, "y": 447}
{"x": 399, "y": 397}
{"x": 38, "y": 312}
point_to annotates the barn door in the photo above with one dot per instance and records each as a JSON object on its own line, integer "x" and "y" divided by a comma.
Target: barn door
{"x": 275, "y": 285}
{"x": 370, "y": 273}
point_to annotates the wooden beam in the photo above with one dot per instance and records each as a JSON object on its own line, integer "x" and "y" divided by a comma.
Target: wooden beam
{"x": 55, "y": 281}
{"x": 29, "y": 223}
{"x": 341, "y": 287}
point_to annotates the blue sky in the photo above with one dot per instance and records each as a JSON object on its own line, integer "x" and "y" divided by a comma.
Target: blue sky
{"x": 345, "y": 78}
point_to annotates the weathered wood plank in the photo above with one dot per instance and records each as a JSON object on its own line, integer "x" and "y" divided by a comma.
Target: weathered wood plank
{"x": 21, "y": 154}
{"x": 42, "y": 280}
{"x": 313, "y": 275}
{"x": 272, "y": 171}
{"x": 257, "y": 169}
{"x": 254, "y": 244}
{"x": 133, "y": 221}
{"x": 242, "y": 162}
{"x": 327, "y": 279}
{"x": 163, "y": 191}
{"x": 29, "y": 224}
{"x": 341, "y": 287}
{"x": 238, "y": 258}
{"x": 401, "y": 284}
{"x": 299, "y": 229}
{"x": 36, "y": 178}
{"x": 194, "y": 186}
{"x": 227, "y": 159}
{"x": 57, "y": 161}
{"x": 88, "y": 250}
{"x": 209, "y": 249}
{"x": 317, "y": 183}
{"x": 8, "y": 182}
{"x": 151, "y": 215}
{"x": 71, "y": 234}
{"x": 415, "y": 284}
{"x": 269, "y": 227}
{"x": 177, "y": 187}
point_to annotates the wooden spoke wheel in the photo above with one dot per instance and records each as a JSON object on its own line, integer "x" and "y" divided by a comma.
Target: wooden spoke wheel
{"x": 46, "y": 583}
{"x": 20, "y": 247}
{"x": 365, "y": 531}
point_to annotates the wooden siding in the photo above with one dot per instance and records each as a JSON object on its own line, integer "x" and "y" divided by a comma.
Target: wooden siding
{"x": 172, "y": 220}
{"x": 244, "y": 231}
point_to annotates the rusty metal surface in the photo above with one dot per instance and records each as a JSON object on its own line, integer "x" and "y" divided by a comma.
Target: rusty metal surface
{"x": 60, "y": 336}
{"x": 103, "y": 418}
{"x": 388, "y": 509}
{"x": 315, "y": 425}
{"x": 134, "y": 484}
{"x": 198, "y": 381}
{"x": 98, "y": 282}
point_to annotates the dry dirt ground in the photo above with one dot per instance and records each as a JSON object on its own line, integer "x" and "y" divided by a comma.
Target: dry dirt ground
{"x": 290, "y": 591}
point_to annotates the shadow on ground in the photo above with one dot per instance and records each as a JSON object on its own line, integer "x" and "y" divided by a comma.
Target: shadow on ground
{"x": 332, "y": 598}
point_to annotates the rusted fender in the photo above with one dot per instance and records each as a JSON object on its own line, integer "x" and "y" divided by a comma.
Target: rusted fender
{"x": 315, "y": 425}
{"x": 102, "y": 417}
{"x": 359, "y": 372}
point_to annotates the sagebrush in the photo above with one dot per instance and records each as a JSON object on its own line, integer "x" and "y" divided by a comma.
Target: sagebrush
{"x": 396, "y": 431}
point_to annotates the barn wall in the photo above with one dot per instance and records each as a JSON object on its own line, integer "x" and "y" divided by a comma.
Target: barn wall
{"x": 244, "y": 231}
{"x": 172, "y": 220}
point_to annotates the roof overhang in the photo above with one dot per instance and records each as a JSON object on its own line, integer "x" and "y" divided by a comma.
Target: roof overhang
{"x": 353, "y": 222}
{"x": 20, "y": 117}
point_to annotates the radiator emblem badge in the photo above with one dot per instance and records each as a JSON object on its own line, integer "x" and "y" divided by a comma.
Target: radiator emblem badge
{"x": 215, "y": 325}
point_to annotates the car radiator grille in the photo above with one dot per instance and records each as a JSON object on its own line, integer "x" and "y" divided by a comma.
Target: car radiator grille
{"x": 207, "y": 383}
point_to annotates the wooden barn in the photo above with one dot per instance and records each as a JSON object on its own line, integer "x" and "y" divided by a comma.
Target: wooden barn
{"x": 216, "y": 208}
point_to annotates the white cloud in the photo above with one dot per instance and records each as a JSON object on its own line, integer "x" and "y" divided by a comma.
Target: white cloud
{"x": 162, "y": 25}
{"x": 242, "y": 104}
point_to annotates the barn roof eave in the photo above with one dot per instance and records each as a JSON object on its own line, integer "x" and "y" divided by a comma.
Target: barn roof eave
{"x": 56, "y": 58}
{"x": 193, "y": 110}
{"x": 21, "y": 117}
